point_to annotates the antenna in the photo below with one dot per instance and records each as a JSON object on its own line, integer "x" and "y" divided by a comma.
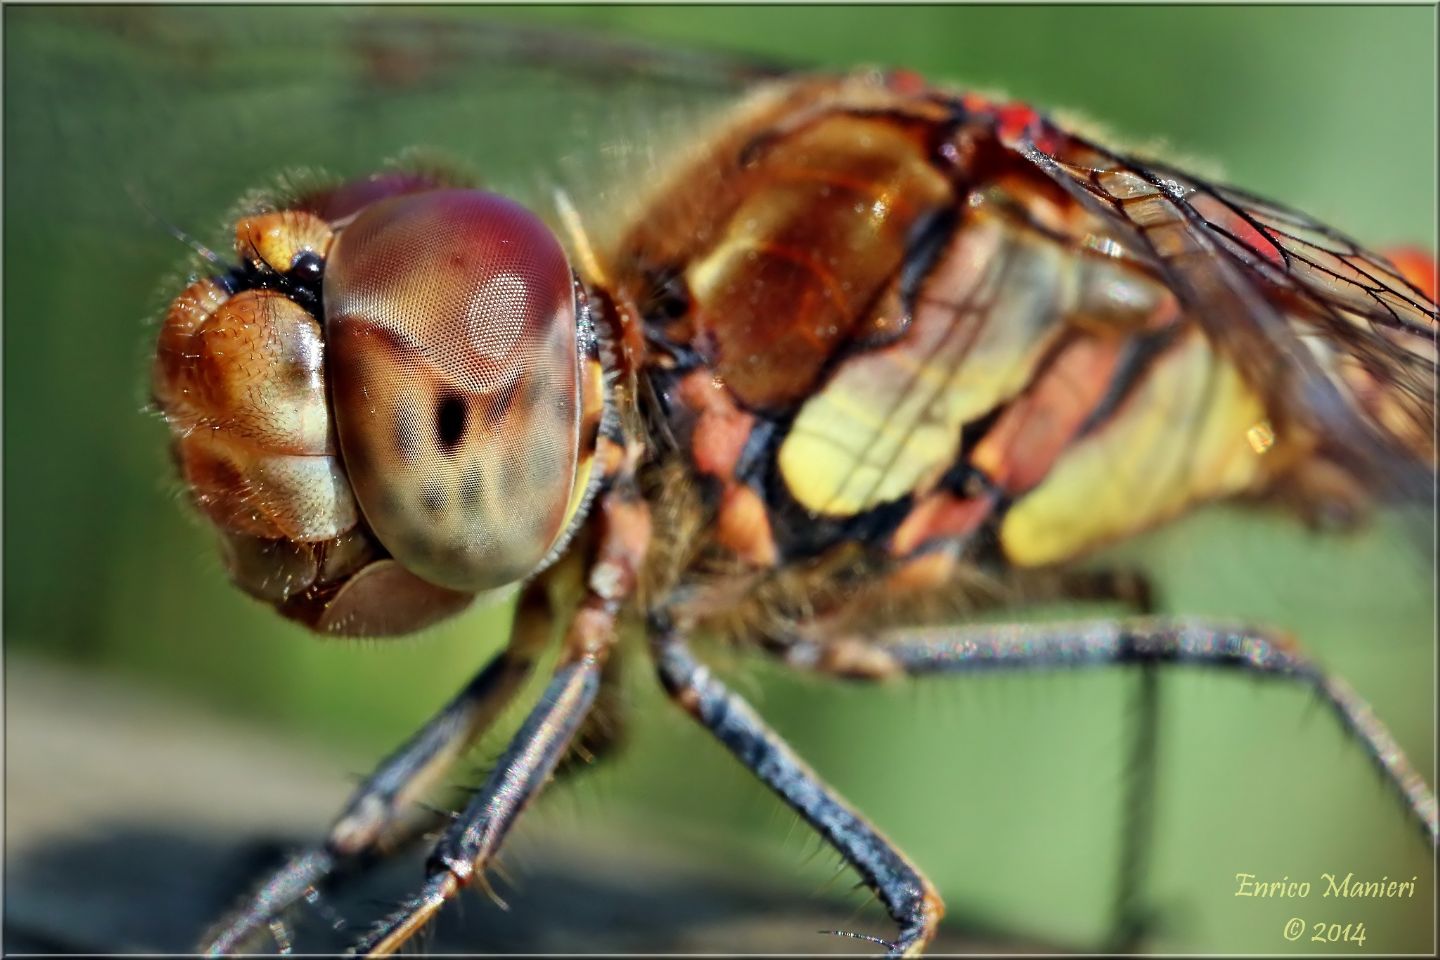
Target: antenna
{"x": 139, "y": 200}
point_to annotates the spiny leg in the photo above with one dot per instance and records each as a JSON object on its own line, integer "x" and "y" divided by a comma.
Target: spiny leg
{"x": 594, "y": 743}
{"x": 1132, "y": 918}
{"x": 908, "y": 897}
{"x": 1142, "y": 641}
{"x": 833, "y": 647}
{"x": 604, "y": 733}
{"x": 470, "y": 843}
{"x": 376, "y": 820}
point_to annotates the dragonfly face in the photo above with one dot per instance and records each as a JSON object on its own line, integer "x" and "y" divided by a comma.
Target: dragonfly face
{"x": 461, "y": 371}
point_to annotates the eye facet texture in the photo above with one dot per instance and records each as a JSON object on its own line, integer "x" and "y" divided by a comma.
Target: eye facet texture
{"x": 454, "y": 368}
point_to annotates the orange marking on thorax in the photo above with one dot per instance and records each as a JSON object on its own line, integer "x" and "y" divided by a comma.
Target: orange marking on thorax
{"x": 939, "y": 516}
{"x": 830, "y": 287}
{"x": 721, "y": 428}
{"x": 926, "y": 571}
{"x": 1036, "y": 429}
{"x": 743, "y": 527}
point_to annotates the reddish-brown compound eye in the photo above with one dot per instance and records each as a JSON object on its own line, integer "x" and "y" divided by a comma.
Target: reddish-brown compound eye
{"x": 455, "y": 374}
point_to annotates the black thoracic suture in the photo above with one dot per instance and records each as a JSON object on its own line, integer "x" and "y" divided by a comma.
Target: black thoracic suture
{"x": 1138, "y": 354}
{"x": 929, "y": 236}
{"x": 668, "y": 296}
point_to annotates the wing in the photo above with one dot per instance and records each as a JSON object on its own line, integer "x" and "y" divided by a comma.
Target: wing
{"x": 1341, "y": 343}
{"x": 192, "y": 107}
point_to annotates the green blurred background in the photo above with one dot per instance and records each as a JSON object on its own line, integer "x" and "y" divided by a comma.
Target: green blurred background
{"x": 1005, "y": 789}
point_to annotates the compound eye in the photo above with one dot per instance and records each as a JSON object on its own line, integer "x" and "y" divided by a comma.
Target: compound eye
{"x": 455, "y": 377}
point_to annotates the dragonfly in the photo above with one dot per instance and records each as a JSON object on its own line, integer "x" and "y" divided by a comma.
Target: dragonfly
{"x": 738, "y": 418}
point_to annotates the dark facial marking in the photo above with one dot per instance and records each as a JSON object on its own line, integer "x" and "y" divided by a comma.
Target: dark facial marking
{"x": 451, "y": 415}
{"x": 472, "y": 487}
{"x": 432, "y": 495}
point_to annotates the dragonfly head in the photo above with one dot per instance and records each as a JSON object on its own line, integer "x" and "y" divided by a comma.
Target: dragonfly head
{"x": 389, "y": 406}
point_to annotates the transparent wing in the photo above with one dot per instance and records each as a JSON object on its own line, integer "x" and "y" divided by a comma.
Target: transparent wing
{"x": 193, "y": 107}
{"x": 1339, "y": 340}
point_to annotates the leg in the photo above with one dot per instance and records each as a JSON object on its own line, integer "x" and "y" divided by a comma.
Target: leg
{"x": 1133, "y": 917}
{"x": 375, "y": 820}
{"x": 906, "y": 894}
{"x": 1139, "y": 641}
{"x": 470, "y": 843}
{"x": 604, "y": 732}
